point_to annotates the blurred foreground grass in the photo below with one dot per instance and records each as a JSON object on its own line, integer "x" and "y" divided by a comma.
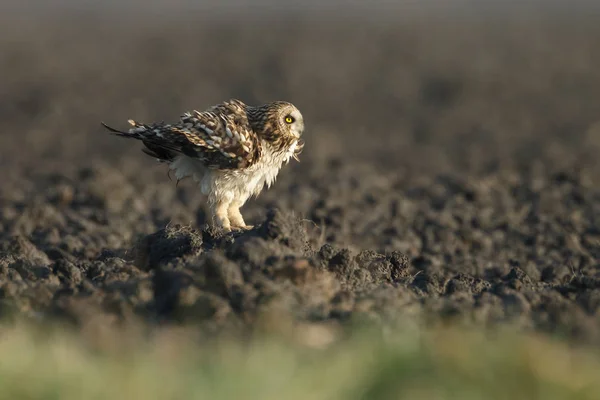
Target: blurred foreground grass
{"x": 173, "y": 364}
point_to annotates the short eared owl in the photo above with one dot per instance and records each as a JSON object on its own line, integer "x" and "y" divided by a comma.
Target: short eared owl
{"x": 231, "y": 149}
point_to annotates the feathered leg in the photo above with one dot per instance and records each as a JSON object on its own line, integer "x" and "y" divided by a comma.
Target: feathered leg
{"x": 235, "y": 216}
{"x": 217, "y": 212}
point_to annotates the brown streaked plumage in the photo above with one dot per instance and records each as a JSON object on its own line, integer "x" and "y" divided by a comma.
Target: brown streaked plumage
{"x": 231, "y": 149}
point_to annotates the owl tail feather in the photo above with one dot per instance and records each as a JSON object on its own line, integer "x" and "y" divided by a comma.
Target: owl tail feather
{"x": 133, "y": 133}
{"x": 113, "y": 130}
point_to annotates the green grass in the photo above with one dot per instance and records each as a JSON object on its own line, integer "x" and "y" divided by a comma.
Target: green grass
{"x": 311, "y": 364}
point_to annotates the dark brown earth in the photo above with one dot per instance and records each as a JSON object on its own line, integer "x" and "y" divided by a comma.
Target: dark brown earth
{"x": 450, "y": 172}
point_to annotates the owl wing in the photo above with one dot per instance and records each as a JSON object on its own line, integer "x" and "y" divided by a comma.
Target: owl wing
{"x": 220, "y": 137}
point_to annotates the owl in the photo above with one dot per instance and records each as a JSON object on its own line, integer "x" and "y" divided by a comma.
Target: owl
{"x": 232, "y": 150}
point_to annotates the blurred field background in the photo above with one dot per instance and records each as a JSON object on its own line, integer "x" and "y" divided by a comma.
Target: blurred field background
{"x": 415, "y": 88}
{"x": 403, "y": 84}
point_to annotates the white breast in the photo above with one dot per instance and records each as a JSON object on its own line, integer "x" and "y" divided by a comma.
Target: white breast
{"x": 290, "y": 152}
{"x": 234, "y": 184}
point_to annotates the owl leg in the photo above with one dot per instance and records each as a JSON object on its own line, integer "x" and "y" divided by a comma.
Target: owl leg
{"x": 218, "y": 214}
{"x": 235, "y": 216}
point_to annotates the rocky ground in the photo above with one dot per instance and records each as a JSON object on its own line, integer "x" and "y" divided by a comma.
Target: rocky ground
{"x": 450, "y": 171}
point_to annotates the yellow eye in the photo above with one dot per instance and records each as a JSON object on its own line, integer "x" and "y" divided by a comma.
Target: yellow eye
{"x": 289, "y": 119}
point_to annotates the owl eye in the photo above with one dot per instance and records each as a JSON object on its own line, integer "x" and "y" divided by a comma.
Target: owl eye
{"x": 289, "y": 119}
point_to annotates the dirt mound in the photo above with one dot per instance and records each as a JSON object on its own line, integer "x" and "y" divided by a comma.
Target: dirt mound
{"x": 472, "y": 261}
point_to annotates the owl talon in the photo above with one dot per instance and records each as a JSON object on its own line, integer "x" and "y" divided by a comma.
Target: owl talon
{"x": 243, "y": 228}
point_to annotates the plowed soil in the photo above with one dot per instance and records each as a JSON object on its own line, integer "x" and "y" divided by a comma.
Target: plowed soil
{"x": 450, "y": 172}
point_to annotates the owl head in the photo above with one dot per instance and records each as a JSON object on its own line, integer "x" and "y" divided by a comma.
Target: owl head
{"x": 278, "y": 120}
{"x": 290, "y": 119}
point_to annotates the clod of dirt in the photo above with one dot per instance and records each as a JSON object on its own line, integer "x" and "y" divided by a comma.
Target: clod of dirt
{"x": 166, "y": 245}
{"x": 366, "y": 269}
{"x": 285, "y": 229}
{"x": 19, "y": 248}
